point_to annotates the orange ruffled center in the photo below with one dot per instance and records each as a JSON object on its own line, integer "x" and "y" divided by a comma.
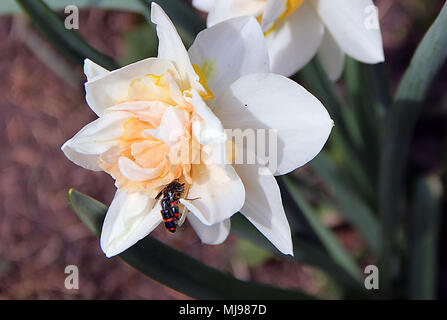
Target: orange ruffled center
{"x": 157, "y": 145}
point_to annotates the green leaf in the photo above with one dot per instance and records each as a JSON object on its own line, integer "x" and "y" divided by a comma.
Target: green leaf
{"x": 75, "y": 48}
{"x": 314, "y": 76}
{"x": 180, "y": 13}
{"x": 401, "y": 121}
{"x": 140, "y": 43}
{"x": 424, "y": 238}
{"x": 11, "y": 7}
{"x": 353, "y": 208}
{"x": 332, "y": 245}
{"x": 379, "y": 88}
{"x": 367, "y": 115}
{"x": 175, "y": 269}
{"x": 69, "y": 42}
{"x": 319, "y": 84}
{"x": 306, "y": 251}
{"x": 252, "y": 254}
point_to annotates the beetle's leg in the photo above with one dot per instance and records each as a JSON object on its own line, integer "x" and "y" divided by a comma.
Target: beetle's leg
{"x": 159, "y": 194}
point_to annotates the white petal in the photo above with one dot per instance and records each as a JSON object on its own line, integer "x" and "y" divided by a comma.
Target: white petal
{"x": 132, "y": 171}
{"x": 93, "y": 70}
{"x": 95, "y": 138}
{"x": 295, "y": 40}
{"x": 174, "y": 89}
{"x": 269, "y": 101}
{"x": 226, "y": 9}
{"x": 130, "y": 218}
{"x": 229, "y": 50}
{"x": 331, "y": 56}
{"x": 215, "y": 234}
{"x": 112, "y": 88}
{"x": 348, "y": 22}
{"x": 171, "y": 47}
{"x": 219, "y": 192}
{"x": 87, "y": 161}
{"x": 208, "y": 129}
{"x": 132, "y": 106}
{"x": 273, "y": 10}
{"x": 149, "y": 111}
{"x": 203, "y": 5}
{"x": 263, "y": 206}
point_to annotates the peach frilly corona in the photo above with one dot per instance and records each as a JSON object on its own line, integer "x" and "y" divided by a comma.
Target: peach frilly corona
{"x": 157, "y": 145}
{"x": 166, "y": 118}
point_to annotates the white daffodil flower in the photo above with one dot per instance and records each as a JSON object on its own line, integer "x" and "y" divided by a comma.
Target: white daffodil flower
{"x": 296, "y": 30}
{"x": 162, "y": 120}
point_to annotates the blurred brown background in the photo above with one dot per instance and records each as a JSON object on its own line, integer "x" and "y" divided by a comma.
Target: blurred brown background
{"x": 39, "y": 111}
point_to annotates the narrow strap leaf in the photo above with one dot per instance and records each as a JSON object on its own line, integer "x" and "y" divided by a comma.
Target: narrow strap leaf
{"x": 315, "y": 77}
{"x": 11, "y": 7}
{"x": 306, "y": 251}
{"x": 401, "y": 121}
{"x": 175, "y": 269}
{"x": 75, "y": 48}
{"x": 344, "y": 131}
{"x": 332, "y": 245}
{"x": 353, "y": 208}
{"x": 69, "y": 42}
{"x": 424, "y": 238}
{"x": 362, "y": 104}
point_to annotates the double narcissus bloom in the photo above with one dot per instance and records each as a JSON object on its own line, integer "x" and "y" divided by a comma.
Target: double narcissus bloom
{"x": 296, "y": 30}
{"x": 162, "y": 120}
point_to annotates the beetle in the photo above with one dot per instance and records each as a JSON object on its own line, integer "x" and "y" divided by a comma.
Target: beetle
{"x": 169, "y": 205}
